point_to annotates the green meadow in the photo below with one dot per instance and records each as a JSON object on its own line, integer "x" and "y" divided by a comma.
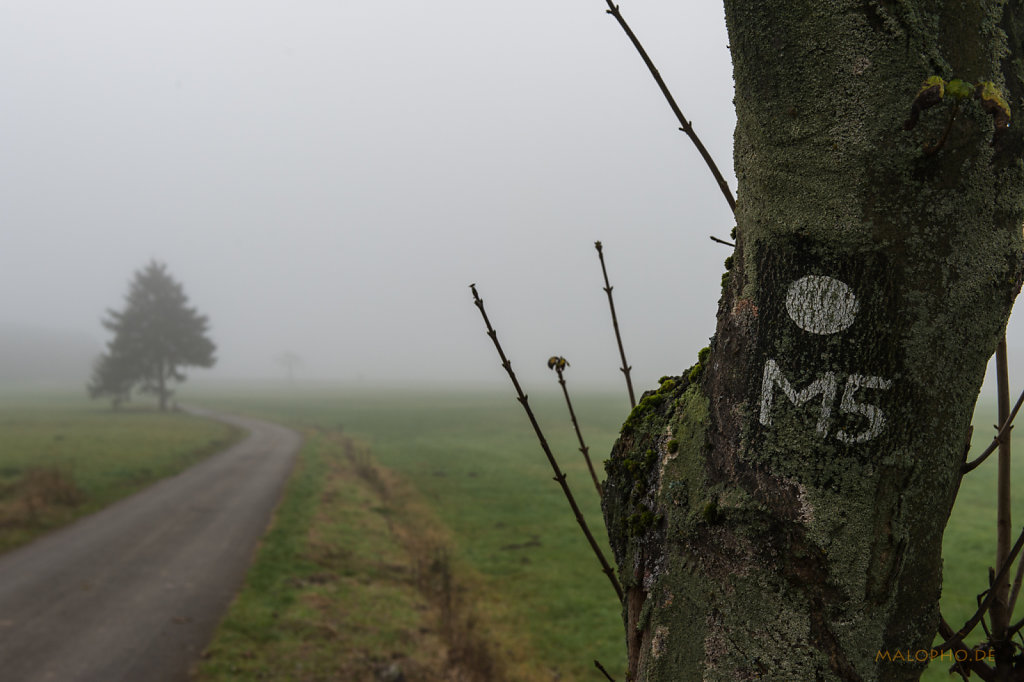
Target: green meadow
{"x": 475, "y": 462}
{"x": 462, "y": 466}
{"x": 474, "y": 458}
{"x": 62, "y": 456}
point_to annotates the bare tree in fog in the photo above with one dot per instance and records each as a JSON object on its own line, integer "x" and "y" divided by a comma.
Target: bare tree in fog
{"x": 290, "y": 361}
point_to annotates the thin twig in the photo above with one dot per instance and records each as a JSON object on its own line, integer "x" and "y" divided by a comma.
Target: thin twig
{"x": 558, "y": 363}
{"x": 601, "y": 668}
{"x": 685, "y": 125}
{"x": 1015, "y": 628}
{"x": 1018, "y": 579}
{"x": 1003, "y": 429}
{"x": 981, "y": 597}
{"x": 983, "y": 671}
{"x": 999, "y": 614}
{"x": 958, "y": 637}
{"x": 930, "y": 149}
{"x": 615, "y": 323}
{"x": 559, "y": 476}
{"x": 721, "y": 241}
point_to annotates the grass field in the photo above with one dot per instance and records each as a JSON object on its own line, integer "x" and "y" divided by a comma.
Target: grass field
{"x": 62, "y": 457}
{"x": 474, "y": 460}
{"x": 475, "y": 464}
{"x": 452, "y": 542}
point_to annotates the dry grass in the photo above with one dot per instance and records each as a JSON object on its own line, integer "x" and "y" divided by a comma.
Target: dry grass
{"x": 470, "y": 655}
{"x": 41, "y": 494}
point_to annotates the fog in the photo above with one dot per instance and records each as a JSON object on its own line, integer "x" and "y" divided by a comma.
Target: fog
{"x": 327, "y": 178}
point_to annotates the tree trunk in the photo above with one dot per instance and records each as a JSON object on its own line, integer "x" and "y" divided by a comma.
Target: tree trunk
{"x": 777, "y": 513}
{"x": 162, "y": 385}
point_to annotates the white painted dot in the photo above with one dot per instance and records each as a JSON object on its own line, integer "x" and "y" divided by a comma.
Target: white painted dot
{"x": 821, "y": 304}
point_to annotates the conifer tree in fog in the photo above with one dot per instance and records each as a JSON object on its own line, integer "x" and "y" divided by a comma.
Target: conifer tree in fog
{"x": 156, "y": 335}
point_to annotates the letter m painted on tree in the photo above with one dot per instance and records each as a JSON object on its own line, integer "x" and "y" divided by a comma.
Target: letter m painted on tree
{"x": 825, "y": 386}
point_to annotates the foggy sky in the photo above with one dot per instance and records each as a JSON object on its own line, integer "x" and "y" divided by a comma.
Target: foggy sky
{"x": 327, "y": 178}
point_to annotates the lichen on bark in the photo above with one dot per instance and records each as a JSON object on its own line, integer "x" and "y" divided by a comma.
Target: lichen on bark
{"x": 793, "y": 529}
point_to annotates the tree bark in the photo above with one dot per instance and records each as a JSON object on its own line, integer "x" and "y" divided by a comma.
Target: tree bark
{"x": 777, "y": 513}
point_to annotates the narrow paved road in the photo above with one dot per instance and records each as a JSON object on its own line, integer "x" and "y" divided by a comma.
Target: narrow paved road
{"x": 134, "y": 592}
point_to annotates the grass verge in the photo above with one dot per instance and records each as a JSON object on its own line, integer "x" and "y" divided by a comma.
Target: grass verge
{"x": 356, "y": 580}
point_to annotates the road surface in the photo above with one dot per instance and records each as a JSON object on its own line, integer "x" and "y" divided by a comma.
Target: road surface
{"x": 134, "y": 592}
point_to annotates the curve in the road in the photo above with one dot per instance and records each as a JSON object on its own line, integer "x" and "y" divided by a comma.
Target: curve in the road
{"x": 134, "y": 592}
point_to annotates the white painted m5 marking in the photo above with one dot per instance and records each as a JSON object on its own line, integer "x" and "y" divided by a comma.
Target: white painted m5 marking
{"x": 824, "y": 385}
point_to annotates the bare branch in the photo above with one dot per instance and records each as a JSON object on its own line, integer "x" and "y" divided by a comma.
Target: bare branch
{"x": 685, "y": 125}
{"x": 721, "y": 241}
{"x": 559, "y": 476}
{"x": 1015, "y": 628}
{"x": 930, "y": 149}
{"x": 1000, "y": 615}
{"x": 1018, "y": 579}
{"x": 615, "y": 323}
{"x": 600, "y": 667}
{"x": 1003, "y": 430}
{"x": 559, "y": 363}
{"x": 978, "y": 667}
